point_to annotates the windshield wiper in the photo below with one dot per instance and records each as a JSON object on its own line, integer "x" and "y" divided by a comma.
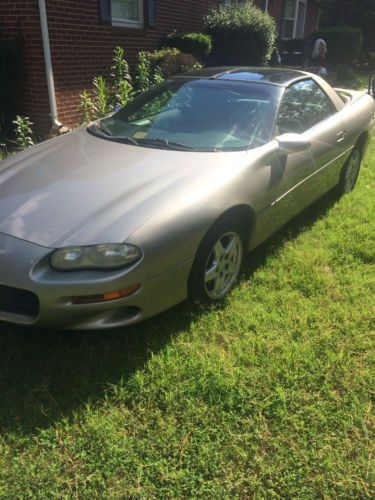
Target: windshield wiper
{"x": 164, "y": 143}
{"x": 103, "y": 131}
{"x": 101, "y": 127}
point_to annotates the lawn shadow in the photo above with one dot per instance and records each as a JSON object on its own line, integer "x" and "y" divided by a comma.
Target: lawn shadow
{"x": 47, "y": 375}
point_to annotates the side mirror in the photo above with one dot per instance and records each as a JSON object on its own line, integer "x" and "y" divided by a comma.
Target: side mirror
{"x": 371, "y": 85}
{"x": 292, "y": 143}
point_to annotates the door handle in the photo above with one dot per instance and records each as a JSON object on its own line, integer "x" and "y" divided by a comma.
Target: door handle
{"x": 341, "y": 136}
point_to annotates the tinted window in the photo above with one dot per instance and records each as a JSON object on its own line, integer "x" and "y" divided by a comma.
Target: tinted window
{"x": 304, "y": 104}
{"x": 200, "y": 114}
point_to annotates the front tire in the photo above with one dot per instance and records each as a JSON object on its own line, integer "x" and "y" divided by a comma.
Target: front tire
{"x": 218, "y": 262}
{"x": 350, "y": 172}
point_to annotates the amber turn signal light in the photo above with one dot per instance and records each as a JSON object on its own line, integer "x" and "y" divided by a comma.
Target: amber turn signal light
{"x": 104, "y": 297}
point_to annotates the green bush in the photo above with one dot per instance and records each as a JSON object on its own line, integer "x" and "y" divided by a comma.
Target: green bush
{"x": 172, "y": 61}
{"x": 197, "y": 44}
{"x": 241, "y": 34}
{"x": 153, "y": 67}
{"x": 343, "y": 44}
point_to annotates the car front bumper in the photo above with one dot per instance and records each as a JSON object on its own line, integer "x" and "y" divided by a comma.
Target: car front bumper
{"x": 31, "y": 293}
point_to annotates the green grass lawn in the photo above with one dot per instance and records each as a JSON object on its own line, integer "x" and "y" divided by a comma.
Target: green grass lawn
{"x": 270, "y": 396}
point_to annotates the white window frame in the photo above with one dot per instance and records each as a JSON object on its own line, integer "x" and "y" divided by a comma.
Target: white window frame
{"x": 127, "y": 22}
{"x": 266, "y": 6}
{"x": 294, "y": 19}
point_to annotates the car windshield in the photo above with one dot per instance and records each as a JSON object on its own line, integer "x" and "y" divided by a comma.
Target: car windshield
{"x": 198, "y": 115}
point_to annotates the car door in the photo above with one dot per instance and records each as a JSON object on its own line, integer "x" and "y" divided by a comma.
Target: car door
{"x": 306, "y": 109}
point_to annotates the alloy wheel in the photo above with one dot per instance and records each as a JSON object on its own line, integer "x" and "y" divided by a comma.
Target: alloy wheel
{"x": 223, "y": 265}
{"x": 352, "y": 171}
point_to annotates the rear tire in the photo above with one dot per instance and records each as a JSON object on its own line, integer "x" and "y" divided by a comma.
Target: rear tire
{"x": 218, "y": 262}
{"x": 350, "y": 172}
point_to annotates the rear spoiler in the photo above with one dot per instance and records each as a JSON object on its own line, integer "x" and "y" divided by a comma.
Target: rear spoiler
{"x": 371, "y": 85}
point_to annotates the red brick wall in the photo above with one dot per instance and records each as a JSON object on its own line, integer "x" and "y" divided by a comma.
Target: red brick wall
{"x": 312, "y": 16}
{"x": 275, "y": 9}
{"x": 32, "y": 94}
{"x": 82, "y": 46}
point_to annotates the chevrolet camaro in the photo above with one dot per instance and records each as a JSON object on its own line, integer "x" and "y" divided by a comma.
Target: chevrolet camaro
{"x": 160, "y": 201}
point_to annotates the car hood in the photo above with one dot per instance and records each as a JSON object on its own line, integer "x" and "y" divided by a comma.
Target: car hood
{"x": 79, "y": 189}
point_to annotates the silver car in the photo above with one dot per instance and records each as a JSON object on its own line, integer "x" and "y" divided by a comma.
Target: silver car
{"x": 112, "y": 224}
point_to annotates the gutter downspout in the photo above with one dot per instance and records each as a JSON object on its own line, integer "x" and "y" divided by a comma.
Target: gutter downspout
{"x": 48, "y": 63}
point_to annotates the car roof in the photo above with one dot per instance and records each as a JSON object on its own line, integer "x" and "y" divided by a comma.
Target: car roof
{"x": 275, "y": 76}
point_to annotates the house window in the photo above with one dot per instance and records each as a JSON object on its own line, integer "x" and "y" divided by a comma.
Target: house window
{"x": 294, "y": 18}
{"x": 127, "y": 13}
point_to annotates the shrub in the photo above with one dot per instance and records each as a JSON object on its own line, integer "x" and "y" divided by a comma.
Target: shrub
{"x": 343, "y": 43}
{"x": 86, "y": 107}
{"x": 197, "y": 44}
{"x": 101, "y": 104}
{"x": 24, "y": 133}
{"x": 154, "y": 66}
{"x": 172, "y": 61}
{"x": 122, "y": 81}
{"x": 143, "y": 72}
{"x": 241, "y": 34}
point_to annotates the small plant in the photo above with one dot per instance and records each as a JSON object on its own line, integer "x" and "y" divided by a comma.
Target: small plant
{"x": 101, "y": 98}
{"x": 24, "y": 133}
{"x": 3, "y": 151}
{"x": 123, "y": 88}
{"x": 158, "y": 76}
{"x": 120, "y": 68}
{"x": 86, "y": 107}
{"x": 124, "y": 92}
{"x": 143, "y": 72}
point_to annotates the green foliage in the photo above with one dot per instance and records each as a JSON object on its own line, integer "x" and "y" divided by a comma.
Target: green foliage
{"x": 241, "y": 34}
{"x": 3, "y": 151}
{"x": 143, "y": 77}
{"x": 86, "y": 107}
{"x": 124, "y": 92}
{"x": 105, "y": 98}
{"x": 172, "y": 62}
{"x": 197, "y": 44}
{"x": 343, "y": 44}
{"x": 23, "y": 131}
{"x": 153, "y": 67}
{"x": 120, "y": 68}
{"x": 122, "y": 80}
{"x": 158, "y": 76}
{"x": 101, "y": 97}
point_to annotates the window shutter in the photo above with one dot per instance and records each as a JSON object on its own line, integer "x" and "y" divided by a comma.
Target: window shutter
{"x": 151, "y": 12}
{"x": 105, "y": 10}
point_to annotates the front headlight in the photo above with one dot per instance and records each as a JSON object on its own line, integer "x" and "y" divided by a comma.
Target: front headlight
{"x": 104, "y": 256}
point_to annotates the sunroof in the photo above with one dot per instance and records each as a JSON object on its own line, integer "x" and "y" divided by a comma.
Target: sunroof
{"x": 279, "y": 76}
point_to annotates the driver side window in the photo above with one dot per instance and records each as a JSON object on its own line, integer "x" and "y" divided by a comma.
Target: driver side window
{"x": 304, "y": 104}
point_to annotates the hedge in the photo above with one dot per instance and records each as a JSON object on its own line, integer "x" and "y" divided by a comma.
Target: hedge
{"x": 343, "y": 44}
{"x": 171, "y": 61}
{"x": 197, "y": 44}
{"x": 241, "y": 35}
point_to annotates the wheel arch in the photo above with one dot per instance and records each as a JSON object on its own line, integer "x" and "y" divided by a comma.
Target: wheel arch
{"x": 242, "y": 212}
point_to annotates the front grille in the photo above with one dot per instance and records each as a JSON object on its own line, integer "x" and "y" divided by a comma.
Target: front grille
{"x": 16, "y": 301}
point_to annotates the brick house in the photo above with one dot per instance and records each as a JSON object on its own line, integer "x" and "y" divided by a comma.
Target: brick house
{"x": 83, "y": 33}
